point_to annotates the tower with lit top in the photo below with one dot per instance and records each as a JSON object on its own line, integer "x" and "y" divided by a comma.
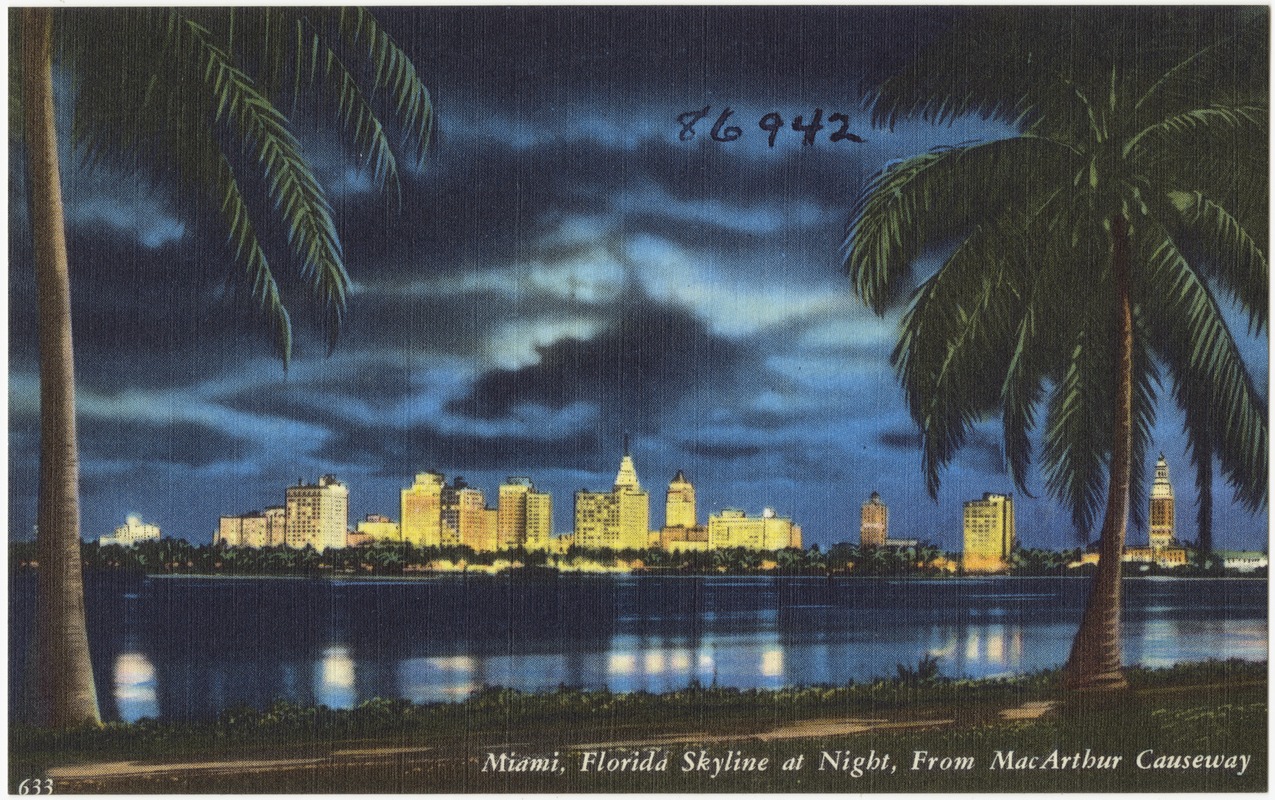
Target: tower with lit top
{"x": 1162, "y": 533}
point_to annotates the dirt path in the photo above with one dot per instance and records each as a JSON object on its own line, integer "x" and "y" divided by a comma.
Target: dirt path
{"x": 106, "y": 774}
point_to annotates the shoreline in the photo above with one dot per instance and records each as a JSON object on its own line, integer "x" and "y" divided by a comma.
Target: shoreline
{"x": 398, "y": 746}
{"x": 554, "y": 574}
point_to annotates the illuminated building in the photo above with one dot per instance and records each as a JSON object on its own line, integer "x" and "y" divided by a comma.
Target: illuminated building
{"x": 1162, "y": 545}
{"x": 618, "y": 519}
{"x": 679, "y": 503}
{"x": 465, "y": 517}
{"x": 379, "y": 529}
{"x": 132, "y": 532}
{"x": 539, "y": 521}
{"x": 1169, "y": 557}
{"x": 524, "y": 516}
{"x": 254, "y": 529}
{"x": 1162, "y": 517}
{"x": 989, "y": 533}
{"x": 680, "y": 532}
{"x": 421, "y": 510}
{"x": 873, "y": 522}
{"x": 733, "y": 528}
{"x": 1243, "y": 560}
{"x": 318, "y": 515}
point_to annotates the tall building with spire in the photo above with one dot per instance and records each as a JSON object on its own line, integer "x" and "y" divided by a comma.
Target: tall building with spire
{"x": 1162, "y": 533}
{"x": 874, "y": 519}
{"x": 619, "y": 519}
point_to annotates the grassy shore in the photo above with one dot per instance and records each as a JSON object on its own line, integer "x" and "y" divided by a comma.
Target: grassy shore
{"x": 709, "y": 739}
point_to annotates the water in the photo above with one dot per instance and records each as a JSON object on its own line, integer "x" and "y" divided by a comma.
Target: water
{"x": 186, "y": 648}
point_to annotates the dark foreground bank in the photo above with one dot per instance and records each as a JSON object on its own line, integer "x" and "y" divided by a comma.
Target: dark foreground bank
{"x": 1196, "y": 727}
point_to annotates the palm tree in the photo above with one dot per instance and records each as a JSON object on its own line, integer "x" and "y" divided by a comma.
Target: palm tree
{"x": 1088, "y": 253}
{"x": 196, "y": 92}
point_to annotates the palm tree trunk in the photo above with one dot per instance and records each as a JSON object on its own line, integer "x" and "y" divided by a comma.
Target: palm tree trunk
{"x": 66, "y": 692}
{"x": 1094, "y": 662}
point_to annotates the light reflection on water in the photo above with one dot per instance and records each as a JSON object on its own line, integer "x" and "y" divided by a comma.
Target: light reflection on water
{"x": 334, "y": 678}
{"x": 135, "y": 686}
{"x": 181, "y": 648}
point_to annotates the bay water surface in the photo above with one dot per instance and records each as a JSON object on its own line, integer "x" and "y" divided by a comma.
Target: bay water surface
{"x": 190, "y": 647}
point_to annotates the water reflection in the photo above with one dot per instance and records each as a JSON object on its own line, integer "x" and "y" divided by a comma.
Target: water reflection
{"x": 135, "y": 687}
{"x": 334, "y": 678}
{"x": 188, "y": 648}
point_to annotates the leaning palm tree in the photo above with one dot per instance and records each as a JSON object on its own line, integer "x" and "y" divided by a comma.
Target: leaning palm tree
{"x": 195, "y": 93}
{"x": 1090, "y": 254}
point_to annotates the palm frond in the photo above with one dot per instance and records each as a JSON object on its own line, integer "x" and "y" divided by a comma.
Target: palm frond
{"x": 1146, "y": 387}
{"x": 1078, "y": 434}
{"x": 308, "y": 52}
{"x": 955, "y": 335}
{"x": 1226, "y": 253}
{"x": 1229, "y": 66}
{"x": 924, "y": 200}
{"x": 1198, "y": 426}
{"x": 1199, "y": 349}
{"x": 1063, "y": 265}
{"x": 248, "y": 253}
{"x": 291, "y": 186}
{"x": 1217, "y": 122}
{"x": 393, "y": 71}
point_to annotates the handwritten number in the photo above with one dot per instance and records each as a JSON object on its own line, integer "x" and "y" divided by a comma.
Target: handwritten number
{"x": 720, "y": 134}
{"x": 687, "y": 120}
{"x": 810, "y": 130}
{"x": 842, "y": 134}
{"x": 771, "y": 122}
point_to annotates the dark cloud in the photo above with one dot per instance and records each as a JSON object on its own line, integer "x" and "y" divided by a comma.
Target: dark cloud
{"x": 909, "y": 439}
{"x": 721, "y": 452}
{"x": 181, "y": 443}
{"x": 641, "y": 366}
{"x": 398, "y": 456}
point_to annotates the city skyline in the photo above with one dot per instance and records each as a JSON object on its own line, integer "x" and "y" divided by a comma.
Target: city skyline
{"x": 624, "y": 280}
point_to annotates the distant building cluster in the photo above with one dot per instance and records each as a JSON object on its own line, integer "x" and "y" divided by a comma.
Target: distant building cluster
{"x": 433, "y": 513}
{"x": 132, "y": 532}
{"x": 989, "y": 535}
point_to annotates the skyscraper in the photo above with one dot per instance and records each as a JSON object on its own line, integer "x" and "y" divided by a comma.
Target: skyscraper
{"x": 1162, "y": 533}
{"x": 989, "y": 533}
{"x": 524, "y": 516}
{"x": 465, "y": 520}
{"x": 420, "y": 510}
{"x": 873, "y": 522}
{"x": 679, "y": 503}
{"x": 318, "y": 515}
{"x": 619, "y": 519}
{"x": 254, "y": 529}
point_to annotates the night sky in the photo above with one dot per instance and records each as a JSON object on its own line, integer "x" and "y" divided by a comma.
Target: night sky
{"x": 564, "y": 270}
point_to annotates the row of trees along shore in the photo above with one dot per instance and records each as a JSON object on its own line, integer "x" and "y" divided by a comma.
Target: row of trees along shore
{"x": 1085, "y": 254}
{"x": 180, "y": 557}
